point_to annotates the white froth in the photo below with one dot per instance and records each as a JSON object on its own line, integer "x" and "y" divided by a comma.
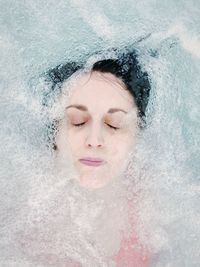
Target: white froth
{"x": 37, "y": 198}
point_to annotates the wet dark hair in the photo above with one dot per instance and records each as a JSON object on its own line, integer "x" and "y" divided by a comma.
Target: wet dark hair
{"x": 125, "y": 67}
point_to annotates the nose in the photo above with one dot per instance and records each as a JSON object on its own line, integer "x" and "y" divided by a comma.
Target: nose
{"x": 94, "y": 137}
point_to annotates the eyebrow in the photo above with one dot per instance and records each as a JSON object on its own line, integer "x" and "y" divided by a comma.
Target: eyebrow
{"x": 84, "y": 108}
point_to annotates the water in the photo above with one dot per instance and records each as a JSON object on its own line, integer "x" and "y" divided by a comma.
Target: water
{"x": 37, "y": 35}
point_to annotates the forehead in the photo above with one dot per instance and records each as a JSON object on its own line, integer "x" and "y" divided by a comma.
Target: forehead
{"x": 100, "y": 91}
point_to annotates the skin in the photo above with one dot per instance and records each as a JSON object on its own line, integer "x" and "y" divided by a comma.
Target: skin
{"x": 100, "y": 121}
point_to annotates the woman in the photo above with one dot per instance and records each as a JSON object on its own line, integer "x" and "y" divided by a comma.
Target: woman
{"x": 110, "y": 99}
{"x": 103, "y": 111}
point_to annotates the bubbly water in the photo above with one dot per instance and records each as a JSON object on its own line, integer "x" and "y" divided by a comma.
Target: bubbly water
{"x": 40, "y": 34}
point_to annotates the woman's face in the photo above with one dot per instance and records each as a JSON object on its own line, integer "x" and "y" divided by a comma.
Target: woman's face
{"x": 98, "y": 129}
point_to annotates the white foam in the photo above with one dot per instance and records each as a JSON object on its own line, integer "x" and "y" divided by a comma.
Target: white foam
{"x": 38, "y": 196}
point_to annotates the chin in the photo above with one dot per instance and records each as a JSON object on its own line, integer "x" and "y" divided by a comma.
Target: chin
{"x": 92, "y": 182}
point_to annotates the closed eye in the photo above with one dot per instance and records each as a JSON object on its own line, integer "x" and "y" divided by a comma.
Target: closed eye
{"x": 115, "y": 128}
{"x": 79, "y": 124}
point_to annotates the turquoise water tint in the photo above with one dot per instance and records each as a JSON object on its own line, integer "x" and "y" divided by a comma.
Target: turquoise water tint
{"x": 37, "y": 35}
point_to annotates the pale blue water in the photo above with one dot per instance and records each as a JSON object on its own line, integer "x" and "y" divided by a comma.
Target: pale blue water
{"x": 37, "y": 35}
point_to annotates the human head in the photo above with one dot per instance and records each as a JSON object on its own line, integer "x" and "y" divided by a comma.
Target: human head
{"x": 110, "y": 83}
{"x": 124, "y": 65}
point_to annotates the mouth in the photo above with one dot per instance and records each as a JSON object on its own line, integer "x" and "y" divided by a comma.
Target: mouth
{"x": 92, "y": 161}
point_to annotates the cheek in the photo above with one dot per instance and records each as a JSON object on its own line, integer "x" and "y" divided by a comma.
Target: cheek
{"x": 75, "y": 141}
{"x": 65, "y": 140}
{"x": 120, "y": 145}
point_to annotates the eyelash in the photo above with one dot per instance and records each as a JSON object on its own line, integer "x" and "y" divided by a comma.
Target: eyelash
{"x": 115, "y": 128}
{"x": 78, "y": 125}
{"x": 81, "y": 124}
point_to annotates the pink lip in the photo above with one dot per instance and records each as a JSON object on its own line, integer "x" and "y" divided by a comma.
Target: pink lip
{"x": 92, "y": 161}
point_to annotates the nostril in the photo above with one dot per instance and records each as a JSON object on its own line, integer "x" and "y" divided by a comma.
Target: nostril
{"x": 94, "y": 138}
{"x": 93, "y": 145}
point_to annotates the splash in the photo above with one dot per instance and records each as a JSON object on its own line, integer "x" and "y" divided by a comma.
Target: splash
{"x": 47, "y": 219}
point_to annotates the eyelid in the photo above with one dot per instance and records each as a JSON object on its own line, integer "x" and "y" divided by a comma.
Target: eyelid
{"x": 78, "y": 124}
{"x": 111, "y": 123}
{"x": 113, "y": 127}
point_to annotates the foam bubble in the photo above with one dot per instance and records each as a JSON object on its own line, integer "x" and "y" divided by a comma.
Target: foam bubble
{"x": 47, "y": 219}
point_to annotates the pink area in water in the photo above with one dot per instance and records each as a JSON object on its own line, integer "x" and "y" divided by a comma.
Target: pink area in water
{"x": 131, "y": 254}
